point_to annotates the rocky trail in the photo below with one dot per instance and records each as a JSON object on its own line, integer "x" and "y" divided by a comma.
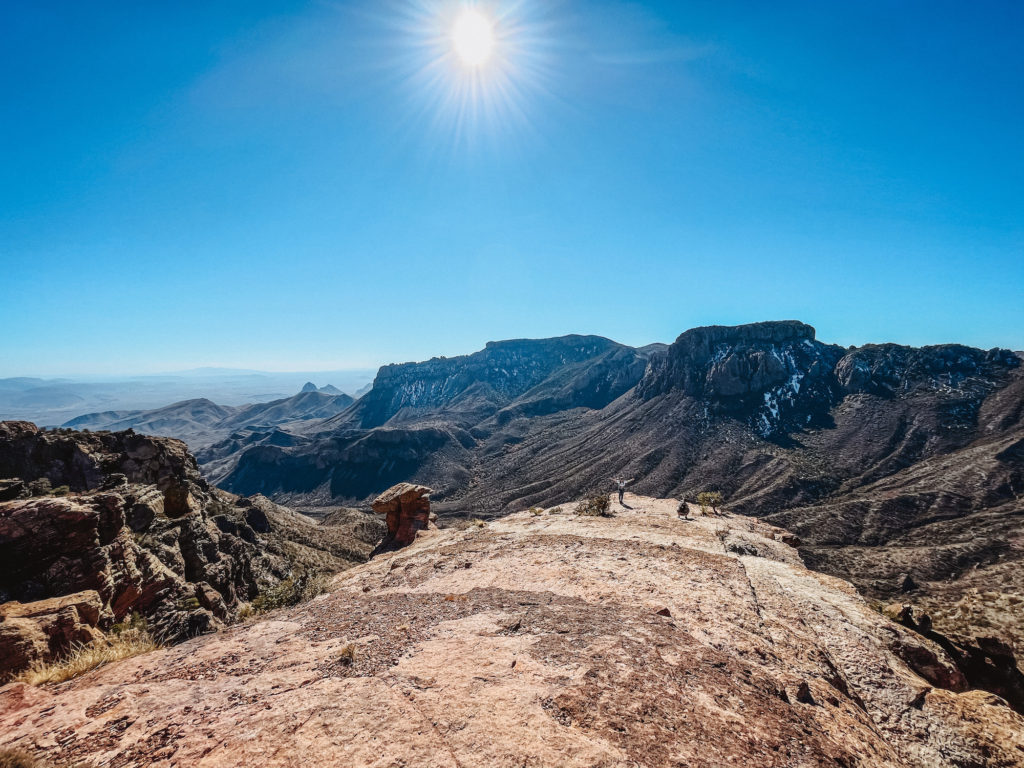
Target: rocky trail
{"x": 542, "y": 640}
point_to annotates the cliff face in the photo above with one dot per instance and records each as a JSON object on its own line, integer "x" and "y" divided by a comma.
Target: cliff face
{"x": 547, "y": 640}
{"x": 474, "y": 386}
{"x": 779, "y": 380}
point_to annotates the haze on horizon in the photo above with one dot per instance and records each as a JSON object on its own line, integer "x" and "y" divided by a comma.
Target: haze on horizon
{"x": 315, "y": 186}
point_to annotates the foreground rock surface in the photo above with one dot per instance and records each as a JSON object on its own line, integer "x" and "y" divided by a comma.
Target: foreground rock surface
{"x": 543, "y": 640}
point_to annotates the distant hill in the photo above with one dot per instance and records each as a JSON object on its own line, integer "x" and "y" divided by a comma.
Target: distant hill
{"x": 201, "y": 422}
{"x": 51, "y": 402}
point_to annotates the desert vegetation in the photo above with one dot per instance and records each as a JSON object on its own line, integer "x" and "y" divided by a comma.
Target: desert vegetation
{"x": 129, "y": 638}
{"x": 300, "y": 589}
{"x": 594, "y": 505}
{"x": 709, "y": 500}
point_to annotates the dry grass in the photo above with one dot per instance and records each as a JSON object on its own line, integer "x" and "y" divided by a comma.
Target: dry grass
{"x": 348, "y": 655}
{"x": 18, "y": 758}
{"x": 83, "y": 658}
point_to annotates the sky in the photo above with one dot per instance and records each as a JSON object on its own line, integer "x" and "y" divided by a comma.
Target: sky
{"x": 326, "y": 185}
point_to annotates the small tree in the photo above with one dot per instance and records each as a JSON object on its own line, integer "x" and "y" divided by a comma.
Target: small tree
{"x": 711, "y": 499}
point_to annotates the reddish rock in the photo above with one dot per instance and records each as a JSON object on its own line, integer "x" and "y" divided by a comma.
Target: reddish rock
{"x": 546, "y": 652}
{"x": 407, "y": 508}
{"x": 46, "y": 629}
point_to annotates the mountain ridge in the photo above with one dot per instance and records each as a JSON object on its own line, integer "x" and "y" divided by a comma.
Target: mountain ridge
{"x": 809, "y": 434}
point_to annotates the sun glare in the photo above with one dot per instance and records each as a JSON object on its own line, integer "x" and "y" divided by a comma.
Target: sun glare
{"x": 473, "y": 38}
{"x": 474, "y": 68}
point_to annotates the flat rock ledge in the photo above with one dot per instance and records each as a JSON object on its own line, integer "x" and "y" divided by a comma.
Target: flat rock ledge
{"x": 542, "y": 640}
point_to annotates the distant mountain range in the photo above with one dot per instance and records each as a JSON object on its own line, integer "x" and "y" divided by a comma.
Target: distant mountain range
{"x": 50, "y": 402}
{"x": 901, "y": 468}
{"x": 200, "y": 422}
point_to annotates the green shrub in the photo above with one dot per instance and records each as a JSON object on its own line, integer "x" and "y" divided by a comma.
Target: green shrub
{"x": 40, "y": 487}
{"x": 712, "y": 499}
{"x": 594, "y": 505}
{"x": 61, "y": 490}
{"x": 302, "y": 588}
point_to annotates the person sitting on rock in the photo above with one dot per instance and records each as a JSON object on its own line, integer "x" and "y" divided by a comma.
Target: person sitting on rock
{"x": 621, "y": 485}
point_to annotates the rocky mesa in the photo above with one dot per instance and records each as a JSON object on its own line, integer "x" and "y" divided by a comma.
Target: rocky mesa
{"x": 546, "y": 639}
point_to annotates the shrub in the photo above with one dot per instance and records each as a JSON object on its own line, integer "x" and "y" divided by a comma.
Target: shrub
{"x": 61, "y": 490}
{"x": 683, "y": 510}
{"x": 594, "y": 505}
{"x": 555, "y": 511}
{"x": 40, "y": 487}
{"x": 536, "y": 511}
{"x": 478, "y": 522}
{"x": 712, "y": 499}
{"x": 301, "y": 589}
{"x": 134, "y": 622}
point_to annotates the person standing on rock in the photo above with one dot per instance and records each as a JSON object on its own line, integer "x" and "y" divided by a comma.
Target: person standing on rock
{"x": 621, "y": 485}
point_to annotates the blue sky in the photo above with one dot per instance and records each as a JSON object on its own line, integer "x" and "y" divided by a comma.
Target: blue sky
{"x": 299, "y": 186}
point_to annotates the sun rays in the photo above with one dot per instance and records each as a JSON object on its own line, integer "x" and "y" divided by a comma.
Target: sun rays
{"x": 472, "y": 70}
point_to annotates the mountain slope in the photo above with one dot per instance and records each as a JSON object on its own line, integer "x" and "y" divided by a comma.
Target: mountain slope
{"x": 639, "y": 639}
{"x": 852, "y": 448}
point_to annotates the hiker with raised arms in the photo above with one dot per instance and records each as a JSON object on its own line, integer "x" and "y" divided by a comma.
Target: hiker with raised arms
{"x": 621, "y": 485}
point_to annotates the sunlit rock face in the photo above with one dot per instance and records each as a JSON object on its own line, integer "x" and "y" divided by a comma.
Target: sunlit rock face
{"x": 779, "y": 379}
{"x": 775, "y": 376}
{"x": 481, "y": 383}
{"x": 138, "y": 527}
{"x": 406, "y": 510}
{"x": 547, "y": 640}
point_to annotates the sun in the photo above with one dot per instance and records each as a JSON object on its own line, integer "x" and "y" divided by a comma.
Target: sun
{"x": 473, "y": 38}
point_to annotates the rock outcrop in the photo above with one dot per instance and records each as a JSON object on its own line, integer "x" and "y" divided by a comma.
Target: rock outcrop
{"x": 476, "y": 386}
{"x": 49, "y": 628}
{"x": 406, "y": 510}
{"x": 144, "y": 533}
{"x": 545, "y": 640}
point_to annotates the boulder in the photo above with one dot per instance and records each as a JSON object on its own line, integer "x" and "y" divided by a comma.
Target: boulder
{"x": 47, "y": 629}
{"x": 406, "y": 508}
